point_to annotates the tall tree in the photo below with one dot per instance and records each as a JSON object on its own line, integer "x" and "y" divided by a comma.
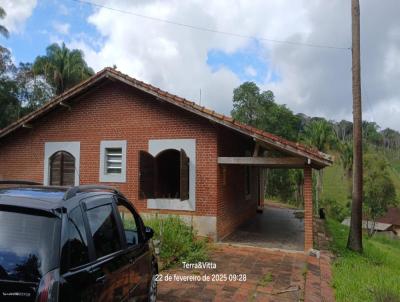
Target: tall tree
{"x": 259, "y": 109}
{"x": 319, "y": 134}
{"x": 62, "y": 67}
{"x": 9, "y": 104}
{"x": 3, "y": 29}
{"x": 354, "y": 242}
{"x": 33, "y": 90}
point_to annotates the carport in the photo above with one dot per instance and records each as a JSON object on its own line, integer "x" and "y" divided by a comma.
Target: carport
{"x": 275, "y": 227}
{"x": 274, "y": 224}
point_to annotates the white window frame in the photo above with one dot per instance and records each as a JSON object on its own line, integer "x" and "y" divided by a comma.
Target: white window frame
{"x": 112, "y": 177}
{"x": 50, "y": 148}
{"x": 189, "y": 146}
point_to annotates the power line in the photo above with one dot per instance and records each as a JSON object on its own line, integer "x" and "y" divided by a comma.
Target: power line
{"x": 206, "y": 29}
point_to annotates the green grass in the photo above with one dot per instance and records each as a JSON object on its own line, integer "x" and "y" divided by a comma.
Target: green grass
{"x": 373, "y": 275}
{"x": 334, "y": 183}
{"x": 265, "y": 280}
{"x": 335, "y": 186}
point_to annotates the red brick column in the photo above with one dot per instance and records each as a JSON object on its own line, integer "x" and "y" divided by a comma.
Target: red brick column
{"x": 308, "y": 209}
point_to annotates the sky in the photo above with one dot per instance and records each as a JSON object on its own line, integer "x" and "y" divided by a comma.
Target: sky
{"x": 190, "y": 62}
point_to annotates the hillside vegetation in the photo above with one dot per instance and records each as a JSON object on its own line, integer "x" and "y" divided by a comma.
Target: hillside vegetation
{"x": 336, "y": 188}
{"x": 370, "y": 276}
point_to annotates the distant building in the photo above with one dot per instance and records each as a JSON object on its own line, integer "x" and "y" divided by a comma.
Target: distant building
{"x": 388, "y": 223}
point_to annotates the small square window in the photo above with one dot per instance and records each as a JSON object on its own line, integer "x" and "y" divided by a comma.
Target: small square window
{"x": 113, "y": 160}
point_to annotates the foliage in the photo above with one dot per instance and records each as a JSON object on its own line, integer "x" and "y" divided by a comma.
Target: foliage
{"x": 335, "y": 209}
{"x": 319, "y": 134}
{"x": 371, "y": 276}
{"x": 3, "y": 30}
{"x": 20, "y": 90}
{"x": 62, "y": 67}
{"x": 178, "y": 241}
{"x": 259, "y": 109}
{"x": 371, "y": 133}
{"x": 9, "y": 104}
{"x": 34, "y": 91}
{"x": 379, "y": 190}
{"x": 26, "y": 87}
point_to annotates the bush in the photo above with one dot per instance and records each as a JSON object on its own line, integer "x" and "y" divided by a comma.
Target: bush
{"x": 335, "y": 210}
{"x": 178, "y": 241}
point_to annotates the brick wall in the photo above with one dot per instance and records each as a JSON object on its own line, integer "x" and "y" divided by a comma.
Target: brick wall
{"x": 233, "y": 207}
{"x": 115, "y": 112}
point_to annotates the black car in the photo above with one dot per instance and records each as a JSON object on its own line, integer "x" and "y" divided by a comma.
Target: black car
{"x": 85, "y": 243}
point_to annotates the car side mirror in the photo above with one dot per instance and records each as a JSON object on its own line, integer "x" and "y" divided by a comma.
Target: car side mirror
{"x": 149, "y": 233}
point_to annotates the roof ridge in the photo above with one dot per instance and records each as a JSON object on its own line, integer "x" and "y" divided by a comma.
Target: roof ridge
{"x": 175, "y": 99}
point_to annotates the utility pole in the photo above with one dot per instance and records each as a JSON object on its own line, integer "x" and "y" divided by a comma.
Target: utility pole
{"x": 355, "y": 236}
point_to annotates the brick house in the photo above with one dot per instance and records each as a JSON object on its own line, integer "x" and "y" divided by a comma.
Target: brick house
{"x": 166, "y": 154}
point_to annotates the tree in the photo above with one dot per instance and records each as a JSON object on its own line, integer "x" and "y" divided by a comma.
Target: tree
{"x": 9, "y": 104}
{"x": 321, "y": 135}
{"x": 391, "y": 138}
{"x": 379, "y": 190}
{"x": 344, "y": 130}
{"x": 371, "y": 134}
{"x": 3, "y": 29}
{"x": 33, "y": 90}
{"x": 62, "y": 68}
{"x": 258, "y": 109}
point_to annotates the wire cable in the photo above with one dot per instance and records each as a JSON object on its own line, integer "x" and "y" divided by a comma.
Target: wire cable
{"x": 211, "y": 30}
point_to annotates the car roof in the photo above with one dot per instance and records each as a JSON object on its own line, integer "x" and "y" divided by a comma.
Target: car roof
{"x": 42, "y": 197}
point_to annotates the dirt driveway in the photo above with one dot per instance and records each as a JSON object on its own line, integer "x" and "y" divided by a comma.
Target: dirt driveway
{"x": 269, "y": 276}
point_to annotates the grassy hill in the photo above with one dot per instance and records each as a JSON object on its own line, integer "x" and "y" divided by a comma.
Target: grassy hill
{"x": 335, "y": 184}
{"x": 371, "y": 276}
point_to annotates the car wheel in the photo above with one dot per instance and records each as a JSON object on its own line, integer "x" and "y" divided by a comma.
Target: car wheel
{"x": 153, "y": 285}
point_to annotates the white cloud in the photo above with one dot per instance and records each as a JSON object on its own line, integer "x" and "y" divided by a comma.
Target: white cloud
{"x": 250, "y": 71}
{"x": 62, "y": 28}
{"x": 18, "y": 11}
{"x": 314, "y": 81}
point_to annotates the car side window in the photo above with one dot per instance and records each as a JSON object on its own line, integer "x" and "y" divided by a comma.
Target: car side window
{"x": 77, "y": 240}
{"x": 104, "y": 230}
{"x": 130, "y": 224}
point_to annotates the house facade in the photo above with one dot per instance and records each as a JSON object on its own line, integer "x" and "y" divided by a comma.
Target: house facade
{"x": 166, "y": 154}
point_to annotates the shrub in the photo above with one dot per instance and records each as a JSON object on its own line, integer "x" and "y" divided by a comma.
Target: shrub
{"x": 178, "y": 241}
{"x": 335, "y": 210}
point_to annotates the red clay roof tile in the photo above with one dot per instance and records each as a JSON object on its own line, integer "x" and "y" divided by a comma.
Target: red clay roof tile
{"x": 174, "y": 99}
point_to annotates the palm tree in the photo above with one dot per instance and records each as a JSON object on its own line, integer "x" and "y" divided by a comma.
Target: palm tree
{"x": 3, "y": 29}
{"x": 62, "y": 67}
{"x": 321, "y": 135}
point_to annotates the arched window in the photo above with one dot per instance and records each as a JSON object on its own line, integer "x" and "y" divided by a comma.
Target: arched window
{"x": 62, "y": 169}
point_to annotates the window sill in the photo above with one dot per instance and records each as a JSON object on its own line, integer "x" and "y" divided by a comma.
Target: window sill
{"x": 170, "y": 204}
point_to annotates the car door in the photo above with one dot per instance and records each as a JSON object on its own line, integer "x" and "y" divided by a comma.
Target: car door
{"x": 110, "y": 268}
{"x": 76, "y": 281}
{"x": 137, "y": 250}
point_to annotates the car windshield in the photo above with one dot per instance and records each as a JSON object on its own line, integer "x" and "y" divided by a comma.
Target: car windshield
{"x": 29, "y": 245}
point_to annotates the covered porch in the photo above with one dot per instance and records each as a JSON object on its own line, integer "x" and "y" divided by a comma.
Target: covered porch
{"x": 271, "y": 227}
{"x": 276, "y": 227}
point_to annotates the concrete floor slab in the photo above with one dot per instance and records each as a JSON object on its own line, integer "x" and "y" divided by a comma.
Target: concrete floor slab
{"x": 276, "y": 227}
